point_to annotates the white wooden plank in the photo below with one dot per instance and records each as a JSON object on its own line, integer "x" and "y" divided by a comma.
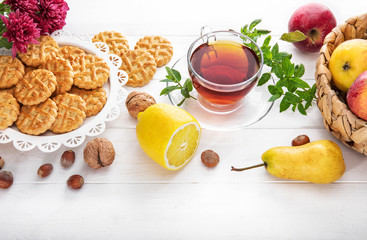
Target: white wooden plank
{"x": 184, "y": 211}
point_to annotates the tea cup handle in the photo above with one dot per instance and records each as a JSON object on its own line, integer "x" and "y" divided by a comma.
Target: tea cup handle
{"x": 210, "y": 28}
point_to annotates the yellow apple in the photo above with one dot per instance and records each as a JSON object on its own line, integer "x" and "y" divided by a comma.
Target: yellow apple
{"x": 347, "y": 62}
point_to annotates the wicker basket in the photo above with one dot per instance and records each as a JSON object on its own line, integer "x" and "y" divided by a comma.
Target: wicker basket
{"x": 338, "y": 119}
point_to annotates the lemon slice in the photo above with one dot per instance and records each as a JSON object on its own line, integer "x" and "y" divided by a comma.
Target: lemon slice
{"x": 168, "y": 134}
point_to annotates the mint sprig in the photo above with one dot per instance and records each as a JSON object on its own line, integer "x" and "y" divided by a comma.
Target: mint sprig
{"x": 174, "y": 77}
{"x": 290, "y": 88}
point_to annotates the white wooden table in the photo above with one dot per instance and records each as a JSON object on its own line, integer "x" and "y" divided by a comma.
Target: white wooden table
{"x": 135, "y": 198}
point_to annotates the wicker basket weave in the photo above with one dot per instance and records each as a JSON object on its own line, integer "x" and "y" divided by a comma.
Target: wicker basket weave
{"x": 338, "y": 119}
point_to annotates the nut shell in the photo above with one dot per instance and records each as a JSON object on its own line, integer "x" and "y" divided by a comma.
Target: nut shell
{"x": 300, "y": 140}
{"x": 75, "y": 181}
{"x": 2, "y": 163}
{"x": 45, "y": 170}
{"x": 210, "y": 158}
{"x": 67, "y": 158}
{"x": 137, "y": 102}
{"x": 6, "y": 179}
{"x": 99, "y": 153}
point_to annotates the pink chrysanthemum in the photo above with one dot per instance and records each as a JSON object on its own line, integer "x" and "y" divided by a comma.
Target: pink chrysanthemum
{"x": 21, "y": 30}
{"x": 52, "y": 15}
{"x": 28, "y": 6}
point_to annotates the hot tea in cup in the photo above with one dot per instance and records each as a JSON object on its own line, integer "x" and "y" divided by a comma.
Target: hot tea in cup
{"x": 223, "y": 69}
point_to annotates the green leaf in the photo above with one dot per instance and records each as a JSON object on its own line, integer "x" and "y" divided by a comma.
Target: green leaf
{"x": 308, "y": 104}
{"x": 267, "y": 41}
{"x": 291, "y": 98}
{"x": 291, "y": 87}
{"x": 264, "y": 79}
{"x": 173, "y": 74}
{"x": 299, "y": 70}
{"x": 182, "y": 101}
{"x": 185, "y": 93}
{"x": 166, "y": 80}
{"x": 313, "y": 90}
{"x": 275, "y": 90}
{"x": 283, "y": 55}
{"x": 188, "y": 85}
{"x": 267, "y": 54}
{"x": 287, "y": 67}
{"x": 284, "y": 105}
{"x": 299, "y": 83}
{"x": 275, "y": 50}
{"x": 244, "y": 29}
{"x": 304, "y": 95}
{"x": 169, "y": 89}
{"x": 301, "y": 109}
{"x": 293, "y": 37}
{"x": 263, "y": 31}
{"x": 274, "y": 97}
{"x": 294, "y": 107}
{"x": 254, "y": 24}
{"x": 281, "y": 82}
{"x": 176, "y": 74}
{"x": 278, "y": 71}
{"x": 4, "y": 43}
{"x": 169, "y": 74}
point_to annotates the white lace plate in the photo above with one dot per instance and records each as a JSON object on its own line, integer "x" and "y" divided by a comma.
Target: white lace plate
{"x": 92, "y": 126}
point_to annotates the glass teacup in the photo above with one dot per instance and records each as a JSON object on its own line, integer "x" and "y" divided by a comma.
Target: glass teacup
{"x": 224, "y": 69}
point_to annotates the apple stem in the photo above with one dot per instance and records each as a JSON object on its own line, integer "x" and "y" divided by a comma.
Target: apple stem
{"x": 314, "y": 35}
{"x": 346, "y": 66}
{"x": 247, "y": 168}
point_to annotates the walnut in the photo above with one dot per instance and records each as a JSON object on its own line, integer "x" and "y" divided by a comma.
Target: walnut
{"x": 137, "y": 102}
{"x": 99, "y": 153}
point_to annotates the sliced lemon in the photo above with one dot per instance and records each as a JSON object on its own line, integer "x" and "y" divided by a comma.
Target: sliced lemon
{"x": 168, "y": 134}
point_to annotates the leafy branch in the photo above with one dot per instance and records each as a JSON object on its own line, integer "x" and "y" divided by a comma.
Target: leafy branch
{"x": 290, "y": 87}
{"x": 174, "y": 77}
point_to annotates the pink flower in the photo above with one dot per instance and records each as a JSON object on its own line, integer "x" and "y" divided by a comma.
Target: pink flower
{"x": 21, "y": 30}
{"x": 52, "y": 15}
{"x": 25, "y": 6}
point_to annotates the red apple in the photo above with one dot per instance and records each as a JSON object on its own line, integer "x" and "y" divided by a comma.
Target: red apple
{"x": 357, "y": 96}
{"x": 315, "y": 21}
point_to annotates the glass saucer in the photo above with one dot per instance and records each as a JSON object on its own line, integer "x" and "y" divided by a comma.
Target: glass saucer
{"x": 254, "y": 107}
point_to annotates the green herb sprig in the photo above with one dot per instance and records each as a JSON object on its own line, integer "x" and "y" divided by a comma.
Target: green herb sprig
{"x": 174, "y": 77}
{"x": 290, "y": 87}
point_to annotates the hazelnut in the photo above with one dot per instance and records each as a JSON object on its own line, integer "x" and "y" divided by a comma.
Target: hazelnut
{"x": 67, "y": 158}
{"x": 45, "y": 170}
{"x": 300, "y": 140}
{"x": 6, "y": 179}
{"x": 75, "y": 181}
{"x": 137, "y": 102}
{"x": 210, "y": 158}
{"x": 99, "y": 152}
{"x": 2, "y": 162}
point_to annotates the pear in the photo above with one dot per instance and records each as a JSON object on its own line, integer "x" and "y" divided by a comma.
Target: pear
{"x": 317, "y": 162}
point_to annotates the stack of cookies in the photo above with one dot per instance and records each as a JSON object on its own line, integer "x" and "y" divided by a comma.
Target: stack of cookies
{"x": 51, "y": 88}
{"x": 141, "y": 63}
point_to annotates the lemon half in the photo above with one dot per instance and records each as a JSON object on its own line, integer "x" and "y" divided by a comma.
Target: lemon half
{"x": 168, "y": 134}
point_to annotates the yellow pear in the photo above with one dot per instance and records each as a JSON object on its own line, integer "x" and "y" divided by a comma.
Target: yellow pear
{"x": 317, "y": 162}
